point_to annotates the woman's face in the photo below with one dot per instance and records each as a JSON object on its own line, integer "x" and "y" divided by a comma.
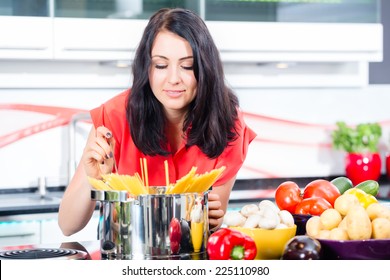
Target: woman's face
{"x": 171, "y": 74}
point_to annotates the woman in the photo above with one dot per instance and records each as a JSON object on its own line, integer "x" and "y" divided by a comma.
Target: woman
{"x": 179, "y": 110}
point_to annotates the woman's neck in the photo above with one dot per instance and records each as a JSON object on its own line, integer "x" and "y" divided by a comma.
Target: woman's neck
{"x": 174, "y": 131}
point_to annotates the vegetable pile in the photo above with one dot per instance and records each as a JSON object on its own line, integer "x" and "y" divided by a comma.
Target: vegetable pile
{"x": 320, "y": 195}
{"x": 356, "y": 216}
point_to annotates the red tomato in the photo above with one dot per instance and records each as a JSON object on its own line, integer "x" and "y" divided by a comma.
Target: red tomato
{"x": 287, "y": 196}
{"x": 175, "y": 235}
{"x": 321, "y": 188}
{"x": 312, "y": 206}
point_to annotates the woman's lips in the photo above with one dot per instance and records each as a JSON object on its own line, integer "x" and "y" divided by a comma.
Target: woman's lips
{"x": 174, "y": 93}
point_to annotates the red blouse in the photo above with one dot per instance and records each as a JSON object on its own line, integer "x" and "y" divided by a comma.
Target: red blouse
{"x": 112, "y": 114}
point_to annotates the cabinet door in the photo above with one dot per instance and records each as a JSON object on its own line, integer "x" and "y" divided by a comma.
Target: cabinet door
{"x": 324, "y": 11}
{"x": 51, "y": 233}
{"x": 96, "y": 39}
{"x": 25, "y": 37}
{"x": 19, "y": 233}
{"x": 125, "y": 9}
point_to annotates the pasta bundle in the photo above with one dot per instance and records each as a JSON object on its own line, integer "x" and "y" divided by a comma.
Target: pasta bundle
{"x": 113, "y": 181}
{"x": 195, "y": 183}
{"x": 134, "y": 185}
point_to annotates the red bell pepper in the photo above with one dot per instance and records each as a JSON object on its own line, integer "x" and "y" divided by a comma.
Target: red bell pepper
{"x": 230, "y": 244}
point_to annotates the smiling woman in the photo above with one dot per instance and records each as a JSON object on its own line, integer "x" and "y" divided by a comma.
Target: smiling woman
{"x": 179, "y": 114}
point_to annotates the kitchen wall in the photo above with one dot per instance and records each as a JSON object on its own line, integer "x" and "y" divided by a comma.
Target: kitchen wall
{"x": 293, "y": 127}
{"x": 293, "y": 117}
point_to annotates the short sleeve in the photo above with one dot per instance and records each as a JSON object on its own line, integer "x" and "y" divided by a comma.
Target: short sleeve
{"x": 111, "y": 114}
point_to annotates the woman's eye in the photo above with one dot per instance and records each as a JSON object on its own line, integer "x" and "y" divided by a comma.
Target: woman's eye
{"x": 160, "y": 66}
{"x": 188, "y": 67}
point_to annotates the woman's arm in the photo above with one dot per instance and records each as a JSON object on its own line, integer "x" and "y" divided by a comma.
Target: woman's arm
{"x": 76, "y": 207}
{"x": 218, "y": 202}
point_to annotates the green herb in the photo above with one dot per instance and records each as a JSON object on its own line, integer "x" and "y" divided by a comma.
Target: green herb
{"x": 362, "y": 138}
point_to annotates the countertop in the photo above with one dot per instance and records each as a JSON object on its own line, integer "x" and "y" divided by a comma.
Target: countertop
{"x": 29, "y": 201}
{"x": 91, "y": 250}
{"x": 25, "y": 202}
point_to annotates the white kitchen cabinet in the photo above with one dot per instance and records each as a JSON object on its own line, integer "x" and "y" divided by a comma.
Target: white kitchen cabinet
{"x": 42, "y": 229}
{"x": 259, "y": 51}
{"x": 19, "y": 232}
{"x": 113, "y": 39}
{"x": 297, "y": 42}
{"x": 96, "y": 39}
{"x": 254, "y": 31}
{"x": 26, "y": 37}
{"x": 51, "y": 233}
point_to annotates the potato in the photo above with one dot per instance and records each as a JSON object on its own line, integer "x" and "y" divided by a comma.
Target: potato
{"x": 324, "y": 234}
{"x": 381, "y": 228}
{"x": 344, "y": 202}
{"x": 377, "y": 210}
{"x": 313, "y": 226}
{"x": 338, "y": 234}
{"x": 358, "y": 223}
{"x": 330, "y": 219}
{"x": 343, "y": 224}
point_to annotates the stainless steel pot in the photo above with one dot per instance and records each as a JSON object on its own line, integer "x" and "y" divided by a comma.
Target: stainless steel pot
{"x": 153, "y": 226}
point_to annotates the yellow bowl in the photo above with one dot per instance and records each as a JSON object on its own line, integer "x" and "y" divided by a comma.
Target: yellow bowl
{"x": 269, "y": 242}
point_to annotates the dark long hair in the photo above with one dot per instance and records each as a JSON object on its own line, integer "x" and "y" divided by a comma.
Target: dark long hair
{"x": 210, "y": 121}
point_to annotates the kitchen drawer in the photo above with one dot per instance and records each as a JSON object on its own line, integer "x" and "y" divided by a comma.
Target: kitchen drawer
{"x": 26, "y": 38}
{"x": 51, "y": 232}
{"x": 20, "y": 232}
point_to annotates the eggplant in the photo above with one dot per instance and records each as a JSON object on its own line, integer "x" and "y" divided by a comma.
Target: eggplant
{"x": 185, "y": 242}
{"x": 302, "y": 247}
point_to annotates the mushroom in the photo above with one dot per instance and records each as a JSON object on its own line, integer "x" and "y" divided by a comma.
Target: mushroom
{"x": 234, "y": 219}
{"x": 249, "y": 209}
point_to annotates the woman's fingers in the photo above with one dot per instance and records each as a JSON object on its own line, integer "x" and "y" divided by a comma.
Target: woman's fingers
{"x": 105, "y": 141}
{"x": 103, "y": 148}
{"x": 98, "y": 153}
{"x": 216, "y": 213}
{"x": 103, "y": 131}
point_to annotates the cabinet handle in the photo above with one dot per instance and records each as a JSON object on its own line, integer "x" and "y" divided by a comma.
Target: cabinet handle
{"x": 23, "y": 48}
{"x": 18, "y": 235}
{"x": 97, "y": 49}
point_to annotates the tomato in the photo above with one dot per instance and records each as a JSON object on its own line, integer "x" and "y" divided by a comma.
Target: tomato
{"x": 312, "y": 206}
{"x": 287, "y": 196}
{"x": 174, "y": 235}
{"x": 321, "y": 188}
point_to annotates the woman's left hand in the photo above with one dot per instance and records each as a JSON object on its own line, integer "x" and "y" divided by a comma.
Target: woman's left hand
{"x": 216, "y": 212}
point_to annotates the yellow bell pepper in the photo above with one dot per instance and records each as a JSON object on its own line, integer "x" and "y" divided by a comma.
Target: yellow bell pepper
{"x": 197, "y": 230}
{"x": 364, "y": 198}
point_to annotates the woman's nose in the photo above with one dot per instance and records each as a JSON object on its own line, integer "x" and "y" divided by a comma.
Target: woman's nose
{"x": 174, "y": 75}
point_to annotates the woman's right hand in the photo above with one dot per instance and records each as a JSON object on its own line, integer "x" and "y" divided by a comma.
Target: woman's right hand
{"x": 98, "y": 152}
